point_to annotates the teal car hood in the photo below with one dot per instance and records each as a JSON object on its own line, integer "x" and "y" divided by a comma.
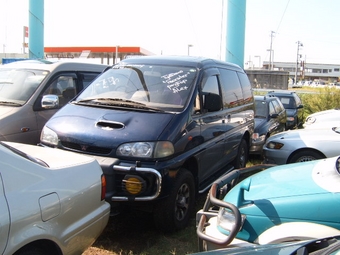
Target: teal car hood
{"x": 289, "y": 188}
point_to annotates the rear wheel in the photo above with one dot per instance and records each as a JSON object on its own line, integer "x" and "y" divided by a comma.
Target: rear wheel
{"x": 305, "y": 155}
{"x": 242, "y": 155}
{"x": 174, "y": 212}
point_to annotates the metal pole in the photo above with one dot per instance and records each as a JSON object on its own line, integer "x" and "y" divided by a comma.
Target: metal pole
{"x": 116, "y": 60}
{"x": 297, "y": 60}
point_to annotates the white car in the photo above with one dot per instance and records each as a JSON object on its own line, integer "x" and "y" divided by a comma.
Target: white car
{"x": 51, "y": 201}
{"x": 302, "y": 145}
{"x": 328, "y": 118}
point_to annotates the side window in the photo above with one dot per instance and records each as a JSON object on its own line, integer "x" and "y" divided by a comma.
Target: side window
{"x": 210, "y": 85}
{"x": 271, "y": 108}
{"x": 246, "y": 87}
{"x": 231, "y": 89}
{"x": 64, "y": 86}
{"x": 278, "y": 108}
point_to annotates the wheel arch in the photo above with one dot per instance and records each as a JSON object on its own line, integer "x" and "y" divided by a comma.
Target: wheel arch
{"x": 303, "y": 149}
{"x": 293, "y": 231}
{"x": 191, "y": 165}
{"x": 48, "y": 246}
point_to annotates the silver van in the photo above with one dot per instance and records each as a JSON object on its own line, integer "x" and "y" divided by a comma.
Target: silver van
{"x": 31, "y": 91}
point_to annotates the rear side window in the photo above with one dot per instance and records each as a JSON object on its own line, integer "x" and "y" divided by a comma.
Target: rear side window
{"x": 246, "y": 87}
{"x": 231, "y": 89}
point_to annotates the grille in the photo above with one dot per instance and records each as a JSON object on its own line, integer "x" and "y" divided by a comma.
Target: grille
{"x": 85, "y": 148}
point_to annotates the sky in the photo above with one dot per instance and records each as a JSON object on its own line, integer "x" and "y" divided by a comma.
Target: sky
{"x": 168, "y": 26}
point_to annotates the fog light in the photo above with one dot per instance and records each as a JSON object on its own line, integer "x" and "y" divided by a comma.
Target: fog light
{"x": 133, "y": 184}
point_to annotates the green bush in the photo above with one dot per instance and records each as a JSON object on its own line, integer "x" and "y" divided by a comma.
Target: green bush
{"x": 317, "y": 100}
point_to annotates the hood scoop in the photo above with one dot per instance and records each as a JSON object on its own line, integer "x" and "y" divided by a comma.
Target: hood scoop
{"x": 109, "y": 125}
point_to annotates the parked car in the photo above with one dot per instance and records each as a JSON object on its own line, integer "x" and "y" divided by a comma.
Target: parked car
{"x": 327, "y": 118}
{"x": 51, "y": 201}
{"x": 270, "y": 118}
{"x": 328, "y": 245}
{"x": 302, "y": 145}
{"x": 273, "y": 204}
{"x": 31, "y": 91}
{"x": 162, "y": 128}
{"x": 293, "y": 105}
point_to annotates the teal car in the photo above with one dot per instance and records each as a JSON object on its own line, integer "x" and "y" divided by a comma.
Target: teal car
{"x": 272, "y": 204}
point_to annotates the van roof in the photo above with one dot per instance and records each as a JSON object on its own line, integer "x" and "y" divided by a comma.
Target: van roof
{"x": 198, "y": 62}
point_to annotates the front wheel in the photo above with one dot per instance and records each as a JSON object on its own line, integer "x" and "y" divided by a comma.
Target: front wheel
{"x": 242, "y": 155}
{"x": 306, "y": 155}
{"x": 174, "y": 212}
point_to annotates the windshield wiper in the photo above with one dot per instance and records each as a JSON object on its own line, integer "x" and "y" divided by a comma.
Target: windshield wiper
{"x": 10, "y": 103}
{"x": 118, "y": 102}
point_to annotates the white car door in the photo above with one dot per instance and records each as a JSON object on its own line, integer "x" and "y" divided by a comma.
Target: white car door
{"x": 4, "y": 218}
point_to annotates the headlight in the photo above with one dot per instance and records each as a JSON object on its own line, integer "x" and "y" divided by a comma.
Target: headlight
{"x": 274, "y": 145}
{"x": 226, "y": 219}
{"x": 258, "y": 138}
{"x": 48, "y": 136}
{"x": 146, "y": 149}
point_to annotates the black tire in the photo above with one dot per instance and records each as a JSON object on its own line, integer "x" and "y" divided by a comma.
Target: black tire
{"x": 242, "y": 155}
{"x": 305, "y": 155}
{"x": 174, "y": 212}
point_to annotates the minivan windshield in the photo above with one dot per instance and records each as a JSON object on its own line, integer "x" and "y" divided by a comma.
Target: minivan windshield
{"x": 18, "y": 85}
{"x": 142, "y": 87}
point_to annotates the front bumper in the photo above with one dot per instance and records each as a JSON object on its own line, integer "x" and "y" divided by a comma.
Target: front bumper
{"x": 278, "y": 157}
{"x": 118, "y": 174}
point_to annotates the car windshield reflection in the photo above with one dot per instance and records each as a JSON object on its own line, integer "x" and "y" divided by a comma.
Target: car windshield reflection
{"x": 18, "y": 85}
{"x": 156, "y": 87}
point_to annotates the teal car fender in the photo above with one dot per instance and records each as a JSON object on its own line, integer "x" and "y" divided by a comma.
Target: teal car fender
{"x": 283, "y": 203}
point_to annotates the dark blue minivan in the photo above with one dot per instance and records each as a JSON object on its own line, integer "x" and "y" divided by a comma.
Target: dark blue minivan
{"x": 162, "y": 128}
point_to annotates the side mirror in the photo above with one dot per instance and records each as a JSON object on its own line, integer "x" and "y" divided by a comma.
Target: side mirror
{"x": 274, "y": 115}
{"x": 300, "y": 106}
{"x": 212, "y": 102}
{"x": 50, "y": 102}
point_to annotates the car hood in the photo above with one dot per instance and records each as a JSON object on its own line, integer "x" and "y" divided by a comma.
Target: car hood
{"x": 306, "y": 135}
{"x": 107, "y": 127}
{"x": 7, "y": 110}
{"x": 299, "y": 180}
{"x": 284, "y": 248}
{"x": 52, "y": 156}
{"x": 291, "y": 112}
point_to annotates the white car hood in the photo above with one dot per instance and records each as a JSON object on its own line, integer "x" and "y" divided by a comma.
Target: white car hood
{"x": 307, "y": 134}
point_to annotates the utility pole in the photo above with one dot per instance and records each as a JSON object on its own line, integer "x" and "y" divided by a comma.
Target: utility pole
{"x": 271, "y": 50}
{"x": 299, "y": 44}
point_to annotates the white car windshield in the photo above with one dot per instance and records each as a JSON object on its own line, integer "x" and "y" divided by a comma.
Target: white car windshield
{"x": 18, "y": 85}
{"x": 165, "y": 88}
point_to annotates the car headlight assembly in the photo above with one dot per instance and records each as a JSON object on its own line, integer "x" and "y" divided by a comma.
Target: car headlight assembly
{"x": 310, "y": 120}
{"x": 274, "y": 145}
{"x": 48, "y": 136}
{"x": 226, "y": 219}
{"x": 159, "y": 149}
{"x": 258, "y": 138}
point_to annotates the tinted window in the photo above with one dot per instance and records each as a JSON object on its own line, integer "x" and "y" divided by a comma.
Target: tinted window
{"x": 246, "y": 87}
{"x": 231, "y": 89}
{"x": 277, "y": 106}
